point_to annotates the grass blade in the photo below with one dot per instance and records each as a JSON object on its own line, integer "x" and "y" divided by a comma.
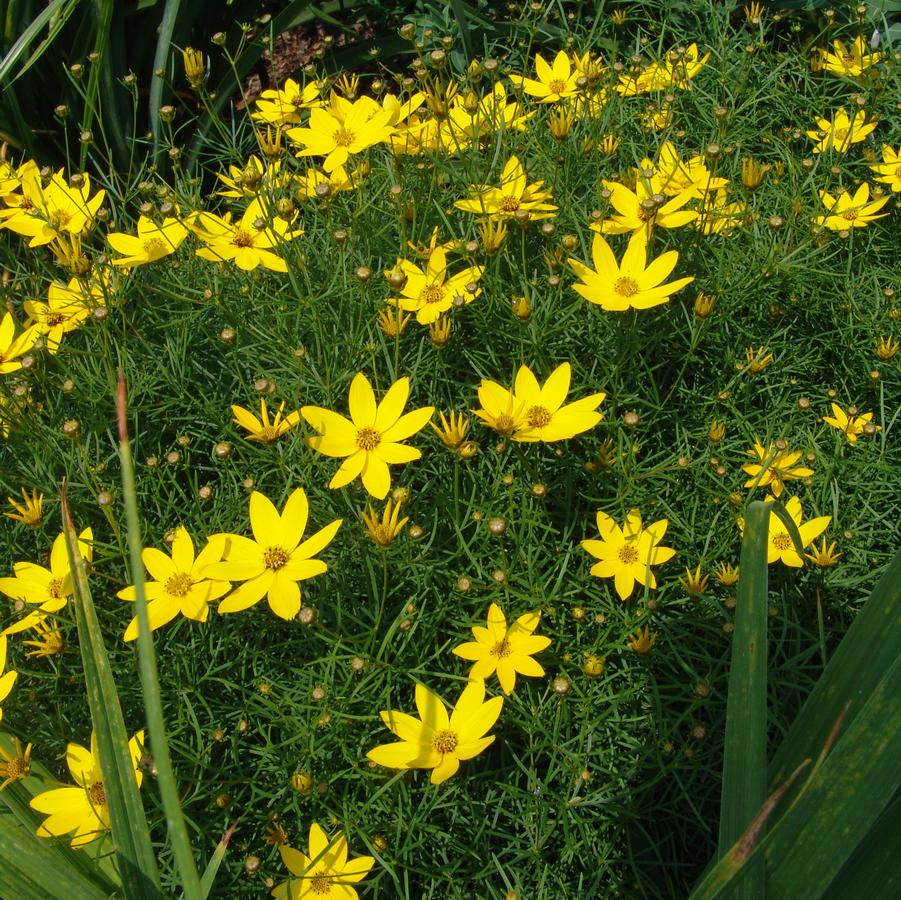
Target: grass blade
{"x": 62, "y": 9}
{"x": 209, "y": 873}
{"x": 137, "y": 862}
{"x": 153, "y": 706}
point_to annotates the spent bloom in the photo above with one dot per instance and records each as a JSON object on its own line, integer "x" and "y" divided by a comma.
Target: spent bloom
{"x": 437, "y": 741}
{"x": 30, "y": 511}
{"x": 275, "y": 560}
{"x": 626, "y": 554}
{"x": 773, "y": 467}
{"x": 326, "y": 872}
{"x": 823, "y": 556}
{"x": 49, "y": 640}
{"x": 178, "y": 585}
{"x": 847, "y": 211}
{"x": 512, "y": 195}
{"x": 632, "y": 284}
{"x": 507, "y": 651}
{"x": 262, "y": 429}
{"x": 384, "y": 530}
{"x": 370, "y": 439}
{"x": 82, "y": 809}
{"x": 849, "y": 423}
{"x": 642, "y": 642}
{"x": 841, "y": 132}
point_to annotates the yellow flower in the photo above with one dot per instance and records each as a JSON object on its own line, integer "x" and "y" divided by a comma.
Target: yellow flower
{"x": 151, "y": 243}
{"x": 440, "y": 330}
{"x": 29, "y": 512}
{"x": 846, "y": 212}
{"x": 64, "y": 311}
{"x": 626, "y": 554}
{"x": 262, "y": 429}
{"x": 180, "y": 584}
{"x": 249, "y": 242}
{"x": 608, "y": 145}
{"x": 823, "y": 556}
{"x": 317, "y": 185}
{"x": 439, "y": 742}
{"x": 694, "y": 582}
{"x": 642, "y": 642}
{"x": 430, "y": 292}
{"x": 512, "y": 195}
{"x": 716, "y": 432}
{"x": 453, "y": 431}
{"x": 283, "y": 106}
{"x": 342, "y": 130}
{"x": 842, "y": 132}
{"x": 275, "y": 561}
{"x": 49, "y": 589}
{"x": 634, "y": 284}
{"x": 49, "y": 641}
{"x": 886, "y": 348}
{"x": 554, "y": 81}
{"x": 849, "y": 63}
{"x": 383, "y": 531}
{"x": 499, "y": 410}
{"x": 889, "y": 170}
{"x": 678, "y": 71}
{"x": 643, "y": 209}
{"x": 753, "y": 13}
{"x": 325, "y": 873}
{"x": 15, "y": 766}
{"x": 758, "y": 359}
{"x": 255, "y": 177}
{"x": 727, "y": 575}
{"x": 370, "y": 440}
{"x": 780, "y": 546}
{"x": 718, "y": 215}
{"x": 13, "y": 346}
{"x": 492, "y": 232}
{"x": 773, "y": 467}
{"x": 752, "y": 172}
{"x": 82, "y": 809}
{"x": 673, "y": 176}
{"x": 392, "y": 322}
{"x": 195, "y": 66}
{"x": 849, "y": 423}
{"x": 8, "y": 679}
{"x": 507, "y": 651}
{"x": 560, "y": 123}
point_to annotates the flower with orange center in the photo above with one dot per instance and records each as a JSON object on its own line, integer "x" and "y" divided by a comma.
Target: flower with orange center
{"x": 370, "y": 439}
{"x": 437, "y": 741}
{"x": 275, "y": 561}
{"x": 633, "y": 284}
{"x": 626, "y": 554}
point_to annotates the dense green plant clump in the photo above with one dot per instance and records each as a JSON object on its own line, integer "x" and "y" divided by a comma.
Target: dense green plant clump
{"x": 448, "y": 388}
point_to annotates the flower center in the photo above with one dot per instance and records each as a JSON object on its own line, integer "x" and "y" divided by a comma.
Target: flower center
{"x": 243, "y": 239}
{"x": 557, "y": 86}
{"x": 96, "y": 794}
{"x": 841, "y": 134}
{"x": 155, "y": 246}
{"x": 179, "y": 584}
{"x": 504, "y": 424}
{"x": 368, "y": 438}
{"x": 320, "y": 884}
{"x": 509, "y": 204}
{"x": 275, "y": 558}
{"x": 538, "y": 416}
{"x": 54, "y": 319}
{"x": 60, "y": 219}
{"x": 850, "y": 214}
{"x": 445, "y": 741}
{"x": 432, "y": 293}
{"x": 55, "y": 589}
{"x": 625, "y": 286}
{"x": 17, "y": 767}
{"x": 781, "y": 541}
{"x": 627, "y": 554}
{"x": 501, "y": 649}
{"x": 343, "y": 137}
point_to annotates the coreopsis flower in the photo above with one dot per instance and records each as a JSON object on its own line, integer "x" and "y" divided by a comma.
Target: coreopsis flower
{"x": 773, "y": 467}
{"x": 677, "y": 71}
{"x": 632, "y": 284}
{"x": 544, "y": 417}
{"x": 47, "y": 589}
{"x": 718, "y": 215}
{"x": 886, "y": 348}
{"x": 753, "y": 13}
{"x": 326, "y": 872}
{"x": 195, "y": 66}
{"x": 841, "y": 132}
{"x": 64, "y": 311}
{"x": 82, "y": 809}
{"x": 554, "y": 82}
{"x": 151, "y": 243}
{"x": 889, "y": 170}
{"x": 672, "y": 176}
{"x": 849, "y": 62}
{"x": 253, "y": 178}
{"x": 492, "y": 233}
{"x": 757, "y": 359}
{"x": 626, "y": 554}
{"x": 342, "y": 130}
{"x": 180, "y": 583}
{"x": 560, "y": 123}
{"x": 440, "y": 331}
{"x": 432, "y": 291}
{"x": 452, "y": 430}
{"x": 15, "y": 766}
{"x": 370, "y": 439}
{"x": 642, "y": 642}
{"x": 849, "y": 423}
{"x": 608, "y": 145}
{"x": 275, "y": 561}
{"x": 846, "y": 212}
{"x": 50, "y": 211}
{"x": 643, "y": 209}
{"x": 13, "y": 345}
{"x": 752, "y": 172}
{"x": 384, "y": 530}
{"x": 780, "y": 546}
{"x": 694, "y": 583}
{"x": 49, "y": 639}
{"x": 499, "y": 410}
{"x": 30, "y": 511}
{"x": 727, "y": 574}
{"x": 507, "y": 651}
{"x": 823, "y": 556}
{"x": 315, "y": 184}
{"x": 249, "y": 242}
{"x": 7, "y": 679}
{"x": 283, "y": 105}
{"x": 436, "y": 741}
{"x": 512, "y": 194}
{"x": 262, "y": 429}
{"x": 393, "y": 322}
